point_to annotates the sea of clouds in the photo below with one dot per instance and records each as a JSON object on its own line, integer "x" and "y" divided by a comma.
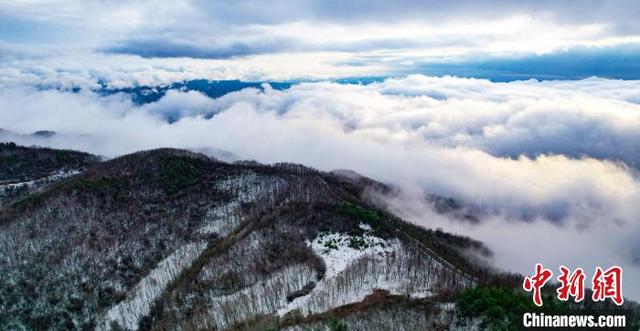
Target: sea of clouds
{"x": 553, "y": 165}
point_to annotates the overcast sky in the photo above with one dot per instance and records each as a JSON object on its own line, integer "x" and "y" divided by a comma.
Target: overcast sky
{"x": 494, "y": 39}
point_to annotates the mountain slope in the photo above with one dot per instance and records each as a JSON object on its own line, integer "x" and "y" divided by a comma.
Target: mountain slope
{"x": 173, "y": 240}
{"x": 27, "y": 169}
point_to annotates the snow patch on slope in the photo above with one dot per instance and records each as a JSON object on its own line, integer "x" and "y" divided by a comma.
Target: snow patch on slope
{"x": 127, "y": 314}
{"x": 245, "y": 188}
{"x": 338, "y": 253}
{"x": 222, "y": 219}
{"x": 60, "y": 174}
{"x": 250, "y": 187}
{"x": 358, "y": 265}
{"x": 261, "y": 298}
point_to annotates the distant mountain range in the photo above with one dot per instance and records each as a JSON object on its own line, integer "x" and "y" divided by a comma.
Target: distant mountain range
{"x": 143, "y": 94}
{"x": 212, "y": 89}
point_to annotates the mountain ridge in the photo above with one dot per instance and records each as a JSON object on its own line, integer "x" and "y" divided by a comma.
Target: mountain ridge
{"x": 170, "y": 239}
{"x": 155, "y": 204}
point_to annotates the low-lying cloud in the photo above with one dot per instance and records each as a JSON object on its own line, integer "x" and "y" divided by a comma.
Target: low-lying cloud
{"x": 554, "y": 165}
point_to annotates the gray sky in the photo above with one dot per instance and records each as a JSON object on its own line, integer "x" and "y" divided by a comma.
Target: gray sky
{"x": 385, "y": 37}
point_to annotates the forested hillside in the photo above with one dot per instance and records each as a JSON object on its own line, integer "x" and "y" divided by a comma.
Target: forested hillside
{"x": 174, "y": 240}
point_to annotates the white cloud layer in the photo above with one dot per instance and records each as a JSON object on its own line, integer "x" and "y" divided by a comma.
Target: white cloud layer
{"x": 86, "y": 70}
{"x": 553, "y": 164}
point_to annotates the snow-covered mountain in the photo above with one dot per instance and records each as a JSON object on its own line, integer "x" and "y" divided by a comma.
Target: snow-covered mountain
{"x": 175, "y": 240}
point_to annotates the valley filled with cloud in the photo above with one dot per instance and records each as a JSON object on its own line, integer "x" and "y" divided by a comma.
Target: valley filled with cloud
{"x": 553, "y": 166}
